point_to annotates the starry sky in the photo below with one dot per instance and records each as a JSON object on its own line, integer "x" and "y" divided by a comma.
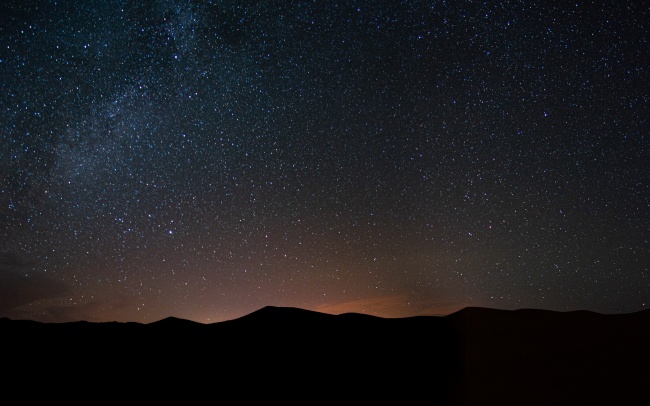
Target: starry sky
{"x": 203, "y": 159}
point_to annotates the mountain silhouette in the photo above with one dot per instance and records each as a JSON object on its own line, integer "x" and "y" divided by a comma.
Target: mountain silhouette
{"x": 476, "y": 356}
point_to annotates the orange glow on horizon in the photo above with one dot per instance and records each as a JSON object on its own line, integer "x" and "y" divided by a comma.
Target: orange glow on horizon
{"x": 392, "y": 307}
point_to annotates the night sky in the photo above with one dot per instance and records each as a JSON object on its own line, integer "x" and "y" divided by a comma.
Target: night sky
{"x": 203, "y": 159}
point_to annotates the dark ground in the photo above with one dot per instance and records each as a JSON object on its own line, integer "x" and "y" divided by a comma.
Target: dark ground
{"x": 477, "y": 356}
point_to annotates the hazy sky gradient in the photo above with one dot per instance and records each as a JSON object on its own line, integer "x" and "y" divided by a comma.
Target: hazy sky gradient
{"x": 203, "y": 159}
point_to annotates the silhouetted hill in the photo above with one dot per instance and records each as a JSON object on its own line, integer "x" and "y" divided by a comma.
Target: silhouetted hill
{"x": 285, "y": 316}
{"x": 477, "y": 356}
{"x": 175, "y": 323}
{"x": 575, "y": 357}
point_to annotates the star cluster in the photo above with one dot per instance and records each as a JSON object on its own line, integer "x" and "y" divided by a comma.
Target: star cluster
{"x": 202, "y": 159}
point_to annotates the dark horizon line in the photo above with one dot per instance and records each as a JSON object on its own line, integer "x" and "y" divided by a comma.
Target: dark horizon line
{"x": 268, "y": 308}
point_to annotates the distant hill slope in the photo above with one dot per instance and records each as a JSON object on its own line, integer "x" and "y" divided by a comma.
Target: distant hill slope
{"x": 475, "y": 356}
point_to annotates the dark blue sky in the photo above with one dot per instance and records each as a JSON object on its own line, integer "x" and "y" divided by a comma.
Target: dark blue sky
{"x": 202, "y": 159}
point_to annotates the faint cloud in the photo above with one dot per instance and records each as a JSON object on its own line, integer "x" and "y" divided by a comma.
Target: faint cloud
{"x": 393, "y": 307}
{"x": 29, "y": 295}
{"x": 20, "y": 286}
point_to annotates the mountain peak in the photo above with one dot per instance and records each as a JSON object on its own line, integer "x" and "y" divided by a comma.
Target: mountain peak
{"x": 174, "y": 321}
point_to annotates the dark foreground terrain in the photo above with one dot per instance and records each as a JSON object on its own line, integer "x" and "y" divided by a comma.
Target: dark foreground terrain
{"x": 476, "y": 356}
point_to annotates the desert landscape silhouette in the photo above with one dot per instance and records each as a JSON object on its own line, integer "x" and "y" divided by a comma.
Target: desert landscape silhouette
{"x": 471, "y": 357}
